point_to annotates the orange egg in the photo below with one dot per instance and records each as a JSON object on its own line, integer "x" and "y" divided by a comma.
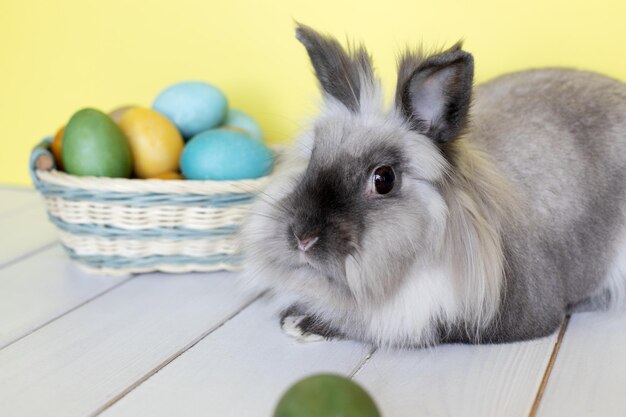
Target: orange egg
{"x": 155, "y": 142}
{"x": 57, "y": 144}
{"x": 168, "y": 176}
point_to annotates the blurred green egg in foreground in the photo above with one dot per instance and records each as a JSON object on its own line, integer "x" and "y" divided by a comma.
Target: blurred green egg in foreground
{"x": 326, "y": 395}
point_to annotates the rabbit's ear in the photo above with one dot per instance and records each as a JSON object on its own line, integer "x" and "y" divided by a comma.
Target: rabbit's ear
{"x": 342, "y": 75}
{"x": 434, "y": 92}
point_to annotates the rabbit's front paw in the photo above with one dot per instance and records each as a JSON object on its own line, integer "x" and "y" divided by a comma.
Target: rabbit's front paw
{"x": 295, "y": 326}
{"x": 306, "y": 328}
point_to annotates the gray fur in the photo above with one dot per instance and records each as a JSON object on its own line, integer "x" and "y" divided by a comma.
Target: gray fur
{"x": 421, "y": 78}
{"x": 339, "y": 72}
{"x": 559, "y": 136}
{"x": 504, "y": 216}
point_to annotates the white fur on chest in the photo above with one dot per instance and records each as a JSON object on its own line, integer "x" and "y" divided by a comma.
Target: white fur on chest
{"x": 412, "y": 315}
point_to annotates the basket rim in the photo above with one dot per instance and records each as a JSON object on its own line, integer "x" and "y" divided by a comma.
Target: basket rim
{"x": 138, "y": 185}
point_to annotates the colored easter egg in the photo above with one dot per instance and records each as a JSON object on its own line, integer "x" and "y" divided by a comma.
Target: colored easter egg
{"x": 168, "y": 176}
{"x": 221, "y": 154}
{"x": 56, "y": 148}
{"x": 192, "y": 106}
{"x": 235, "y": 129}
{"x": 238, "y": 119}
{"x": 116, "y": 114}
{"x": 326, "y": 395}
{"x": 154, "y": 141}
{"x": 93, "y": 145}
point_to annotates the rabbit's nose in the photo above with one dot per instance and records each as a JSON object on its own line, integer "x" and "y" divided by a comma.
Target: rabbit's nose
{"x": 305, "y": 243}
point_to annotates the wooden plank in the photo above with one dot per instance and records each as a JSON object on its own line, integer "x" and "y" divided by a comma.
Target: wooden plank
{"x": 42, "y": 287}
{"x": 77, "y": 363}
{"x": 240, "y": 370}
{"x": 458, "y": 380}
{"x": 589, "y": 375}
{"x": 14, "y": 199}
{"x": 24, "y": 231}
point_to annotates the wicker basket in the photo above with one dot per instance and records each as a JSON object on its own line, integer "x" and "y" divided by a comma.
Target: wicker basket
{"x": 124, "y": 226}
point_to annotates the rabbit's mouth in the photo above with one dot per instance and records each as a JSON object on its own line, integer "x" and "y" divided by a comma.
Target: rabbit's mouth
{"x": 330, "y": 269}
{"x": 309, "y": 260}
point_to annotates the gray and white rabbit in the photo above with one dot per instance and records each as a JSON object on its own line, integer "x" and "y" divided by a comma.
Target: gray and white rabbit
{"x": 457, "y": 215}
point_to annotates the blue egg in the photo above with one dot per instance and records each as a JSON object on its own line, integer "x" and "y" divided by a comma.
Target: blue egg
{"x": 237, "y": 118}
{"x": 192, "y": 106}
{"x": 221, "y": 154}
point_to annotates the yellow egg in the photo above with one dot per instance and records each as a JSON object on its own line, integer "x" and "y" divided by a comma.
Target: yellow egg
{"x": 154, "y": 141}
{"x": 168, "y": 176}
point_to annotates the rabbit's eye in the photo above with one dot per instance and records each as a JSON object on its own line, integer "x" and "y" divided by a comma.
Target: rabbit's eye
{"x": 384, "y": 178}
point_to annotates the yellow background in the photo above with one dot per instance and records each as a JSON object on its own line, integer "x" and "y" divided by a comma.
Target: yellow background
{"x": 59, "y": 56}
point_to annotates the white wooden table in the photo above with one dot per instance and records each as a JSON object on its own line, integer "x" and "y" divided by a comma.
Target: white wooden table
{"x": 72, "y": 344}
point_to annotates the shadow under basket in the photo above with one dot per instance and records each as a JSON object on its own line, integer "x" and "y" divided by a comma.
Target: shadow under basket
{"x": 119, "y": 226}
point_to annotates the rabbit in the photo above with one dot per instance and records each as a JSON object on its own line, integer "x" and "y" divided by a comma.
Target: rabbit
{"x": 455, "y": 215}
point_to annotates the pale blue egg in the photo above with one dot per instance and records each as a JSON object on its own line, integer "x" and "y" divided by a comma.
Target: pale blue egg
{"x": 193, "y": 106}
{"x": 221, "y": 154}
{"x": 245, "y": 122}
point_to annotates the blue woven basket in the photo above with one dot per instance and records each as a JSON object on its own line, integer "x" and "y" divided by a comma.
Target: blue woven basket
{"x": 126, "y": 226}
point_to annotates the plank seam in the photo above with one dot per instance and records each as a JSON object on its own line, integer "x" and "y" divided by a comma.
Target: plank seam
{"x": 173, "y": 357}
{"x": 65, "y": 313}
{"x": 548, "y": 370}
{"x": 28, "y": 254}
{"x": 362, "y": 363}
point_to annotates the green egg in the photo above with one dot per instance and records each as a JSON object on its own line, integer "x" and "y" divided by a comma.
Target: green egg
{"x": 326, "y": 395}
{"x": 93, "y": 145}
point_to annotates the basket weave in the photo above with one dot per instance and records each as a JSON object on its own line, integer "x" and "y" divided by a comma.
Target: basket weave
{"x": 123, "y": 226}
